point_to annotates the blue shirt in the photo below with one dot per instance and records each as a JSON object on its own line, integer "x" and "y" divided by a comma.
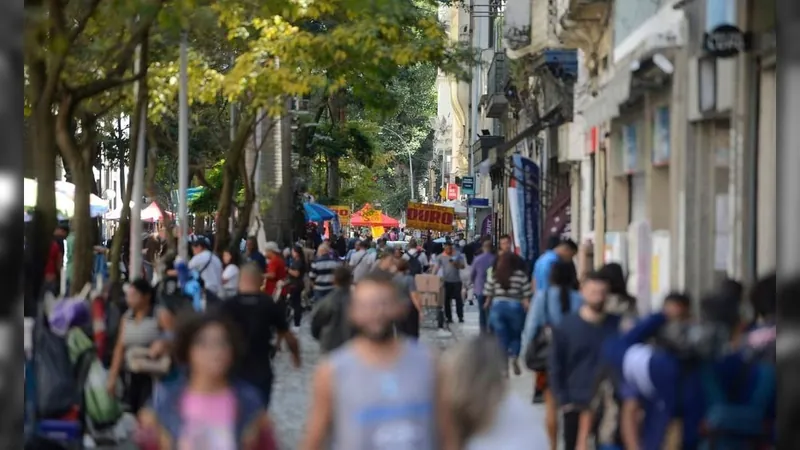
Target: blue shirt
{"x": 539, "y": 316}
{"x": 678, "y": 389}
{"x": 542, "y": 269}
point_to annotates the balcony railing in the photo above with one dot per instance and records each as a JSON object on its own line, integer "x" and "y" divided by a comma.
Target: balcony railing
{"x": 498, "y": 74}
{"x": 496, "y": 83}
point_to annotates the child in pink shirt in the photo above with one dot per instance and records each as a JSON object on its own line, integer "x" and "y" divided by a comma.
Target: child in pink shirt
{"x": 208, "y": 410}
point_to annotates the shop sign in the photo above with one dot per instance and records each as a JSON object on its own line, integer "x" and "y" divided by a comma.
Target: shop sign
{"x": 478, "y": 202}
{"x": 726, "y": 41}
{"x": 661, "y": 141}
{"x": 452, "y": 191}
{"x": 421, "y": 216}
{"x": 343, "y": 212}
{"x": 468, "y": 185}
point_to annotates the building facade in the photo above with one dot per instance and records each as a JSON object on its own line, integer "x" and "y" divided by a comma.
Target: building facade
{"x": 679, "y": 140}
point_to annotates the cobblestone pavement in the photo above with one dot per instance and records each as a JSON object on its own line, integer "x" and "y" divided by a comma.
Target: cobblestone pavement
{"x": 290, "y": 393}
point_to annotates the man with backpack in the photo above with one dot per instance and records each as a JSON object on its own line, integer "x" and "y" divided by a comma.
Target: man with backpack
{"x": 417, "y": 260}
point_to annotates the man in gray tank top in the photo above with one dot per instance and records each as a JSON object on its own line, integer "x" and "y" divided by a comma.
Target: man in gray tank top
{"x": 378, "y": 392}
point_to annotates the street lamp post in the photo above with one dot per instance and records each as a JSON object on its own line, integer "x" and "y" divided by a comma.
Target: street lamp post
{"x": 183, "y": 148}
{"x": 410, "y": 161}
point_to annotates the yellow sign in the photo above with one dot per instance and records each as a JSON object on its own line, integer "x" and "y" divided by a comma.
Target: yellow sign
{"x": 421, "y": 216}
{"x": 377, "y": 232}
{"x": 343, "y": 212}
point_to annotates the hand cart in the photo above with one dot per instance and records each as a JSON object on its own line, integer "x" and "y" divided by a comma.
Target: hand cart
{"x": 431, "y": 292}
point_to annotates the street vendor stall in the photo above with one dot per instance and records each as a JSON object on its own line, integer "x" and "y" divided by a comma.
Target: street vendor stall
{"x": 374, "y": 219}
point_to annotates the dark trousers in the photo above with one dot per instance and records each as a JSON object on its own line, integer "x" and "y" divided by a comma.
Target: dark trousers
{"x": 482, "y": 313}
{"x": 452, "y": 291}
{"x": 571, "y": 422}
{"x": 295, "y": 300}
{"x": 410, "y": 325}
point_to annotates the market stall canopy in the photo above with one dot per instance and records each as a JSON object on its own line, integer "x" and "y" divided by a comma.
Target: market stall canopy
{"x": 65, "y": 206}
{"x": 370, "y": 217}
{"x": 317, "y": 213}
{"x": 149, "y": 214}
{"x": 153, "y": 214}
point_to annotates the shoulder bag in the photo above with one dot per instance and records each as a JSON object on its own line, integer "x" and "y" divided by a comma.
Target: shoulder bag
{"x": 538, "y": 349}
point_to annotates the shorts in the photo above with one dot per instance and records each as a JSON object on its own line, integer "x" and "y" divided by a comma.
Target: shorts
{"x": 263, "y": 384}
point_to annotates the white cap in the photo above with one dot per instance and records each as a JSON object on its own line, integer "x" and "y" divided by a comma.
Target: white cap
{"x": 272, "y": 247}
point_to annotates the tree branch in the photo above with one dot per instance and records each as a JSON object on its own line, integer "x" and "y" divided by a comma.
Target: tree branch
{"x": 105, "y": 84}
{"x": 123, "y": 60}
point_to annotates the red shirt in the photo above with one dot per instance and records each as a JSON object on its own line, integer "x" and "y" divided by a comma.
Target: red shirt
{"x": 276, "y": 266}
{"x": 53, "y": 266}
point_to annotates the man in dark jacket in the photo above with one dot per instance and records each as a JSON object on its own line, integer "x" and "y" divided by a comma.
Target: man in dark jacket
{"x": 329, "y": 321}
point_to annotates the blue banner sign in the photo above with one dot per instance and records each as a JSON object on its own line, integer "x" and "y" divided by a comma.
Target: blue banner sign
{"x": 527, "y": 175}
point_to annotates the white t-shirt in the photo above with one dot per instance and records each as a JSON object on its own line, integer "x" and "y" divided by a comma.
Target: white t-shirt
{"x": 210, "y": 272}
{"x": 230, "y": 279}
{"x": 361, "y": 263}
{"x": 515, "y": 427}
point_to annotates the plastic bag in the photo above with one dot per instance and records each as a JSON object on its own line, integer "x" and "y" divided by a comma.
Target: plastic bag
{"x": 56, "y": 390}
{"x": 102, "y": 408}
{"x": 68, "y": 313}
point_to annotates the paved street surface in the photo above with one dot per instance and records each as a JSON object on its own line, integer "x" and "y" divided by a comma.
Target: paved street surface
{"x": 290, "y": 395}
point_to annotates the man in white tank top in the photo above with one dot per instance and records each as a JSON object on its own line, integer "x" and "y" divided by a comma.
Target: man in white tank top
{"x": 378, "y": 392}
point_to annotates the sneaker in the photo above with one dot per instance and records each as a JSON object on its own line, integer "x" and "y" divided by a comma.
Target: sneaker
{"x": 442, "y": 333}
{"x": 295, "y": 329}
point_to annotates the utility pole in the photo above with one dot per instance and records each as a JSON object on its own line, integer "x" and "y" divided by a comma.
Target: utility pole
{"x": 183, "y": 147}
{"x": 232, "y": 135}
{"x": 137, "y": 193}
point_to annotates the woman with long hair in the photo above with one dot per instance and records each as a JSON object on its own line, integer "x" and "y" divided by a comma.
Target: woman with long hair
{"x": 549, "y": 307}
{"x": 508, "y": 292}
{"x": 619, "y": 302}
{"x": 231, "y": 260}
{"x": 485, "y": 413}
{"x": 209, "y": 409}
{"x": 146, "y": 327}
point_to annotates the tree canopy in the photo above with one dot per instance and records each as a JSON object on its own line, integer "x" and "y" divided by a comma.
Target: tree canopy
{"x": 357, "y": 59}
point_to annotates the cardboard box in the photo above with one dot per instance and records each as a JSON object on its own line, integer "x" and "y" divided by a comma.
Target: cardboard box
{"x": 429, "y": 283}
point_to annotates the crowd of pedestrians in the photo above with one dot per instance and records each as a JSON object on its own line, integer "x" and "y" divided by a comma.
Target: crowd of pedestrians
{"x": 611, "y": 373}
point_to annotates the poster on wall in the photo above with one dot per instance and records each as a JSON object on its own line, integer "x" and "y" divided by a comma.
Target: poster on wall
{"x": 661, "y": 138}
{"x": 630, "y": 149}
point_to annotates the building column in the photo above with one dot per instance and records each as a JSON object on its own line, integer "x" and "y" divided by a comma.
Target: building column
{"x": 742, "y": 158}
{"x": 678, "y": 160}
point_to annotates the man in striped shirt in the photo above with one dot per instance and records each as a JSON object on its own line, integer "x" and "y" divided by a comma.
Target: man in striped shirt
{"x": 321, "y": 272}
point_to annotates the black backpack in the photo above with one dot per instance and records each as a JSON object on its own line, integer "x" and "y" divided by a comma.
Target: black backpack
{"x": 414, "y": 266}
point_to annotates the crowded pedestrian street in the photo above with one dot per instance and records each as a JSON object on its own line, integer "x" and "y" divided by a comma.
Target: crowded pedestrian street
{"x": 383, "y": 225}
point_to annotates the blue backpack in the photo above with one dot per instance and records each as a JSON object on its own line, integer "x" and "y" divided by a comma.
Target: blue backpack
{"x": 730, "y": 424}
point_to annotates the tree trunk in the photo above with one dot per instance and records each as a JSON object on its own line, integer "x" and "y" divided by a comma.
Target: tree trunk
{"x": 123, "y": 230}
{"x": 334, "y": 181}
{"x": 230, "y": 173}
{"x": 44, "y": 216}
{"x": 79, "y": 157}
{"x": 82, "y": 252}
